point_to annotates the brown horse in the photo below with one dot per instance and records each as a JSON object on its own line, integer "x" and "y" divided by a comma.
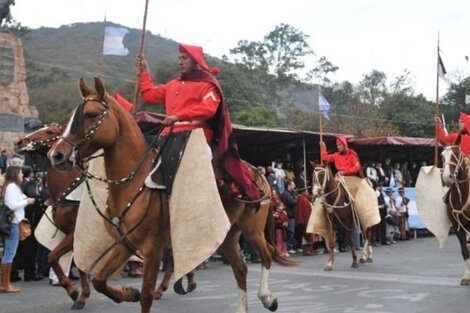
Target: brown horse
{"x": 338, "y": 210}
{"x": 60, "y": 184}
{"x": 455, "y": 176}
{"x": 138, "y": 216}
{"x": 65, "y": 215}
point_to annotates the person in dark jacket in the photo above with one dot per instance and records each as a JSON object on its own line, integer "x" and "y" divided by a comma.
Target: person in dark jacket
{"x": 289, "y": 198}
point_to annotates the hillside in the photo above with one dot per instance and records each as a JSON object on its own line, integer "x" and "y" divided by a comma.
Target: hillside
{"x": 57, "y": 57}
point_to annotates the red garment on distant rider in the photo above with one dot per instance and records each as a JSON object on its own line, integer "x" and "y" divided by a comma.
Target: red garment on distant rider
{"x": 460, "y": 138}
{"x": 347, "y": 162}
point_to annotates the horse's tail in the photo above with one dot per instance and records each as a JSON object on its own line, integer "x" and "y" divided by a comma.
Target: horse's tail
{"x": 269, "y": 235}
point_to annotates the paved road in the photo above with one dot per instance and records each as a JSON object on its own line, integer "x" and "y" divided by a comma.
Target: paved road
{"x": 408, "y": 277}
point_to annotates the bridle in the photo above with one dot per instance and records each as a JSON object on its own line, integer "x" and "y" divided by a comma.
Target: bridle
{"x": 74, "y": 156}
{"x": 457, "y": 164}
{"x": 33, "y": 145}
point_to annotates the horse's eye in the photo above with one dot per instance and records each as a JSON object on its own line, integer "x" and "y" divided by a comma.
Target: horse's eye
{"x": 91, "y": 114}
{"x": 49, "y": 132}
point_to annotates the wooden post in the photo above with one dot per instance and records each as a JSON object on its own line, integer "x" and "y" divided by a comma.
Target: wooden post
{"x": 141, "y": 51}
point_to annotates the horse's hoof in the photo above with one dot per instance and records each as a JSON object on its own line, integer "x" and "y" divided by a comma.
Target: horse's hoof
{"x": 135, "y": 294}
{"x": 74, "y": 295}
{"x": 192, "y": 286}
{"x": 273, "y": 306}
{"x": 465, "y": 282}
{"x": 355, "y": 265}
{"x": 157, "y": 295}
{"x": 178, "y": 287}
{"x": 369, "y": 260}
{"x": 328, "y": 268}
{"x": 77, "y": 305}
{"x": 362, "y": 261}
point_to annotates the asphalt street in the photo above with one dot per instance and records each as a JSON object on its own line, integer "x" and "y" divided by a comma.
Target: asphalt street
{"x": 407, "y": 277}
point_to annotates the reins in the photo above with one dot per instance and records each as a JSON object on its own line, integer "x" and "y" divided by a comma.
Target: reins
{"x": 456, "y": 183}
{"x": 330, "y": 207}
{"x": 115, "y": 221}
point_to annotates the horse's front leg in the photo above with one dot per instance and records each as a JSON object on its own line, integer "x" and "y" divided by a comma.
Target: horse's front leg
{"x": 231, "y": 251}
{"x": 330, "y": 243}
{"x": 152, "y": 258}
{"x": 61, "y": 249}
{"x": 166, "y": 278}
{"x": 462, "y": 236}
{"x": 85, "y": 294}
{"x": 110, "y": 264}
{"x": 355, "y": 263}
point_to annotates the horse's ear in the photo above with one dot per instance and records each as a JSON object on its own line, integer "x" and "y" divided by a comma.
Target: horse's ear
{"x": 100, "y": 89}
{"x": 85, "y": 90}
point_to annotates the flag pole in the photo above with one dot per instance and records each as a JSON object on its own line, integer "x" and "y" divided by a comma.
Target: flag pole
{"x": 437, "y": 104}
{"x": 320, "y": 121}
{"x": 140, "y": 52}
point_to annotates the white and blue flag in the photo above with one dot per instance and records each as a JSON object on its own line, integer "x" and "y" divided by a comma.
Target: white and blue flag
{"x": 113, "y": 41}
{"x": 323, "y": 105}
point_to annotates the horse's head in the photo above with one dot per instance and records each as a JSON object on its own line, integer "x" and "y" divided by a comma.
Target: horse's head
{"x": 40, "y": 140}
{"x": 453, "y": 161}
{"x": 92, "y": 126}
{"x": 320, "y": 177}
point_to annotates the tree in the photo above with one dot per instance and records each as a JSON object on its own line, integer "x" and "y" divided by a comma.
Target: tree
{"x": 280, "y": 53}
{"x": 373, "y": 87}
{"x": 322, "y": 70}
{"x": 258, "y": 116}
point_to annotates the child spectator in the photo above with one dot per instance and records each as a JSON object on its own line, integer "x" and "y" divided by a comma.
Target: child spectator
{"x": 281, "y": 221}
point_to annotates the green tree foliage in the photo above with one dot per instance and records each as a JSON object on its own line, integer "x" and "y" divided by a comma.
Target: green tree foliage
{"x": 263, "y": 84}
{"x": 257, "y": 116}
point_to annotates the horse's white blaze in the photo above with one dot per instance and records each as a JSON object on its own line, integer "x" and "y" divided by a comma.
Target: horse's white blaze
{"x": 263, "y": 293}
{"x": 446, "y": 174}
{"x": 466, "y": 273}
{"x": 69, "y": 125}
{"x": 64, "y": 134}
{"x": 315, "y": 190}
{"x": 242, "y": 301}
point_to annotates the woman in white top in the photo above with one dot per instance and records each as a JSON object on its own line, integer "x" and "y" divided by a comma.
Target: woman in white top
{"x": 16, "y": 201}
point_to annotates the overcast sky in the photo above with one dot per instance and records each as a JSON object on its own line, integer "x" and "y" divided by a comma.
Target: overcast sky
{"x": 356, "y": 35}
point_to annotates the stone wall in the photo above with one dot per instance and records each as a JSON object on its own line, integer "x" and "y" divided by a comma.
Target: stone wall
{"x": 14, "y": 100}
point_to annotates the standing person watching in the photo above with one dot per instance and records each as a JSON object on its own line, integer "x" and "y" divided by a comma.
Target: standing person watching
{"x": 289, "y": 198}
{"x": 16, "y": 200}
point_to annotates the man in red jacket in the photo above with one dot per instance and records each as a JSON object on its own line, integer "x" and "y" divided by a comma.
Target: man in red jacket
{"x": 460, "y": 137}
{"x": 195, "y": 100}
{"x": 346, "y": 160}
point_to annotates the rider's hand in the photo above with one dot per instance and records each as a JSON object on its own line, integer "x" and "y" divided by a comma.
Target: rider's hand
{"x": 322, "y": 144}
{"x": 437, "y": 119}
{"x": 141, "y": 64}
{"x": 170, "y": 120}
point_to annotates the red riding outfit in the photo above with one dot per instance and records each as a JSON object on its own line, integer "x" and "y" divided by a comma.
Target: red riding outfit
{"x": 461, "y": 138}
{"x": 346, "y": 161}
{"x": 197, "y": 100}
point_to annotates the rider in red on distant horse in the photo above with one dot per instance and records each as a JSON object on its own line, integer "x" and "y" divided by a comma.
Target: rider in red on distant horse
{"x": 346, "y": 160}
{"x": 195, "y": 100}
{"x": 460, "y": 137}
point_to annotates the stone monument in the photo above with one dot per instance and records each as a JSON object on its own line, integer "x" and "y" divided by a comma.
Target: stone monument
{"x": 14, "y": 101}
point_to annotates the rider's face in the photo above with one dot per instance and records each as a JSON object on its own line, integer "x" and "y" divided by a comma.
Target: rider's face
{"x": 186, "y": 63}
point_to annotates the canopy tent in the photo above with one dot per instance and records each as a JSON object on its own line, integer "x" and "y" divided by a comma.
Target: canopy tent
{"x": 262, "y": 145}
{"x": 397, "y": 148}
